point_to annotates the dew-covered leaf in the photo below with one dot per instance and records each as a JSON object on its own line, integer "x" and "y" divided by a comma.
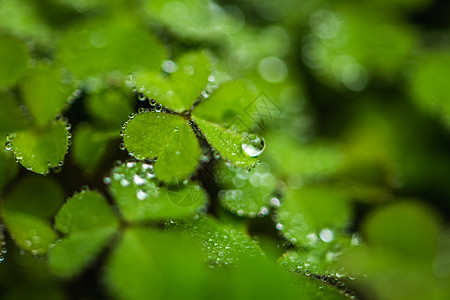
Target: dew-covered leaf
{"x": 147, "y": 134}
{"x": 191, "y": 76}
{"x": 84, "y": 211}
{"x": 141, "y": 198}
{"x": 180, "y": 158}
{"x": 42, "y": 148}
{"x": 246, "y": 193}
{"x": 89, "y": 224}
{"x": 223, "y": 244}
{"x": 323, "y": 259}
{"x": 78, "y": 250}
{"x": 14, "y": 57}
{"x": 44, "y": 94}
{"x": 26, "y": 212}
{"x": 112, "y": 44}
{"x": 90, "y": 146}
{"x": 31, "y": 233}
{"x": 229, "y": 106}
{"x": 180, "y": 89}
{"x": 313, "y": 214}
{"x": 151, "y": 262}
{"x": 227, "y": 143}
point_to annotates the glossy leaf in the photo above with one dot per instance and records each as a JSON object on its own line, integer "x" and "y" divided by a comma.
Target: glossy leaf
{"x": 246, "y": 193}
{"x": 147, "y": 134}
{"x": 222, "y": 244}
{"x": 230, "y": 105}
{"x": 313, "y": 214}
{"x": 86, "y": 210}
{"x": 11, "y": 118}
{"x": 227, "y": 143}
{"x": 141, "y": 198}
{"x": 26, "y": 212}
{"x": 39, "y": 150}
{"x": 180, "y": 158}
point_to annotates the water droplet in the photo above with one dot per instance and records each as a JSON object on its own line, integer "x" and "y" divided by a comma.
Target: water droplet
{"x": 275, "y": 202}
{"x": 253, "y": 145}
{"x": 279, "y": 226}
{"x": 158, "y": 108}
{"x": 124, "y": 182}
{"x": 152, "y": 102}
{"x": 107, "y": 180}
{"x": 142, "y": 97}
{"x": 140, "y": 110}
{"x": 8, "y": 146}
{"x": 326, "y": 235}
{"x": 131, "y": 164}
{"x": 138, "y": 180}
{"x": 122, "y": 146}
{"x": 141, "y": 195}
{"x": 169, "y": 66}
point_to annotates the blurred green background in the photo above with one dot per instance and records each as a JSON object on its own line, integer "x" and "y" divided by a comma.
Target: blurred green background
{"x": 354, "y": 107}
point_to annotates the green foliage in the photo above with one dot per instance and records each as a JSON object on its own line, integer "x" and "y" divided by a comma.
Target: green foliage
{"x": 27, "y": 211}
{"x": 252, "y": 149}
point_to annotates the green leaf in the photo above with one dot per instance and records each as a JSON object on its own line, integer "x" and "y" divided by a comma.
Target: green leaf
{"x": 8, "y": 167}
{"x": 89, "y": 224}
{"x": 181, "y": 89}
{"x": 14, "y": 57}
{"x": 222, "y": 244}
{"x": 109, "y": 108}
{"x": 40, "y": 149}
{"x": 404, "y": 228}
{"x": 44, "y": 94}
{"x": 246, "y": 193}
{"x": 191, "y": 77}
{"x": 90, "y": 146}
{"x": 227, "y": 143}
{"x": 180, "y": 158}
{"x": 141, "y": 198}
{"x": 428, "y": 85}
{"x": 228, "y": 106}
{"x": 84, "y": 211}
{"x": 11, "y": 119}
{"x": 71, "y": 255}
{"x": 26, "y": 210}
{"x": 31, "y": 233}
{"x": 35, "y": 195}
{"x": 111, "y": 44}
{"x": 313, "y": 214}
{"x": 151, "y": 262}
{"x": 147, "y": 134}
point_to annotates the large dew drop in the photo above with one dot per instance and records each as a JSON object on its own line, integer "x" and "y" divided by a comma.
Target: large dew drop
{"x": 253, "y": 145}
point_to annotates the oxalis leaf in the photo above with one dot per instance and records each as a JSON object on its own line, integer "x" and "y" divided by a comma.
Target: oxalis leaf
{"x": 227, "y": 143}
{"x": 246, "y": 193}
{"x": 26, "y": 212}
{"x": 40, "y": 149}
{"x": 179, "y": 91}
{"x": 14, "y": 57}
{"x": 167, "y": 136}
{"x": 141, "y": 198}
{"x": 223, "y": 244}
{"x": 313, "y": 214}
{"x": 148, "y": 261}
{"x": 89, "y": 223}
